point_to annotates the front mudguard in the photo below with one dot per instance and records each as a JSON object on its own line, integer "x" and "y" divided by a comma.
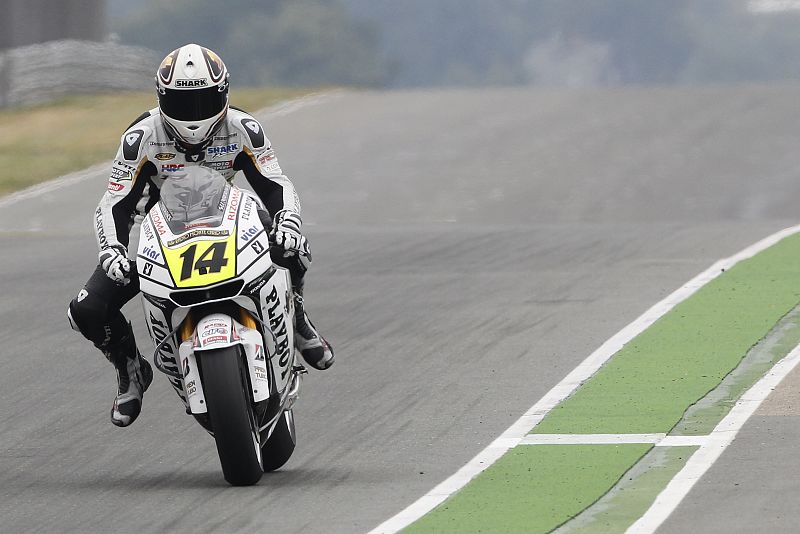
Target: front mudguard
{"x": 216, "y": 331}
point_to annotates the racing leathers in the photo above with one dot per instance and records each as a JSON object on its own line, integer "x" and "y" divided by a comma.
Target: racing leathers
{"x": 146, "y": 158}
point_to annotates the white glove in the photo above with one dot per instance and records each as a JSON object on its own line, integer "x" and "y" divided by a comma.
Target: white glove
{"x": 287, "y": 233}
{"x": 114, "y": 261}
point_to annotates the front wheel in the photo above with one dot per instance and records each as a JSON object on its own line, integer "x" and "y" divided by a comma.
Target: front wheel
{"x": 226, "y": 389}
{"x": 279, "y": 447}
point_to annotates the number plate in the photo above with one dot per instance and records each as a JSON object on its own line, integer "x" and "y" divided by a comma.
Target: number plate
{"x": 202, "y": 263}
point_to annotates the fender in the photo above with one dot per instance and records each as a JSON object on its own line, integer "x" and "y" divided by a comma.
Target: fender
{"x": 216, "y": 331}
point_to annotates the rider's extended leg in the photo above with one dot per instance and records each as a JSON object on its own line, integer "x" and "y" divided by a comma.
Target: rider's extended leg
{"x": 95, "y": 313}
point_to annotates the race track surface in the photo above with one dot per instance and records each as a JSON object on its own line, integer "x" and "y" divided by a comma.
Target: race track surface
{"x": 470, "y": 249}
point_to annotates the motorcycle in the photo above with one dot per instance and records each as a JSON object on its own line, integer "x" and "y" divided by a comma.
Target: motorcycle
{"x": 220, "y": 314}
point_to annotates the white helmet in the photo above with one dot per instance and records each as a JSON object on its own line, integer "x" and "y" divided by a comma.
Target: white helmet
{"x": 192, "y": 84}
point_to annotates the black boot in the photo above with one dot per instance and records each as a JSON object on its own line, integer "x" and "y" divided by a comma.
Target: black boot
{"x": 134, "y": 376}
{"x": 316, "y": 351}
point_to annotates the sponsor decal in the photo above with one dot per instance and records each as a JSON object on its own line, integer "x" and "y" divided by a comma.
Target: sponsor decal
{"x": 131, "y": 138}
{"x": 195, "y": 233}
{"x": 102, "y": 240}
{"x": 214, "y": 331}
{"x": 247, "y": 207}
{"x": 233, "y": 204}
{"x": 247, "y": 234}
{"x": 261, "y": 372}
{"x": 147, "y": 231}
{"x": 192, "y": 83}
{"x": 130, "y": 145}
{"x": 254, "y": 132}
{"x": 266, "y": 157}
{"x": 186, "y": 367}
{"x": 260, "y": 353}
{"x": 150, "y": 252}
{"x": 160, "y": 332}
{"x": 253, "y": 126}
{"x": 191, "y": 388}
{"x": 215, "y": 339}
{"x": 226, "y": 137}
{"x": 219, "y": 165}
{"x": 277, "y": 323}
{"x": 219, "y": 151}
{"x": 162, "y": 143}
{"x": 83, "y": 294}
{"x": 115, "y": 187}
{"x": 172, "y": 167}
{"x": 123, "y": 165}
{"x": 158, "y": 222}
{"x": 164, "y": 156}
{"x": 120, "y": 175}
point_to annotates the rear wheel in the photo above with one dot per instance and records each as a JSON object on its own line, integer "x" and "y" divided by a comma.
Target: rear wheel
{"x": 226, "y": 389}
{"x": 279, "y": 447}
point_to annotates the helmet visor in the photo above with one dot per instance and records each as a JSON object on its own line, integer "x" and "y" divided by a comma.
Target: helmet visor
{"x": 192, "y": 105}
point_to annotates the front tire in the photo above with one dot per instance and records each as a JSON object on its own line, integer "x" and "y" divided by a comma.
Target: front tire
{"x": 226, "y": 389}
{"x": 279, "y": 447}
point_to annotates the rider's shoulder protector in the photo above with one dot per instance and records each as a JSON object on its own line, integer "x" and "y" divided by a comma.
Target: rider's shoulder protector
{"x": 134, "y": 140}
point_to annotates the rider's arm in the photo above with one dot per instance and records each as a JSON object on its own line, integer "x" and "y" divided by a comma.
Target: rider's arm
{"x": 260, "y": 166}
{"x": 130, "y": 173}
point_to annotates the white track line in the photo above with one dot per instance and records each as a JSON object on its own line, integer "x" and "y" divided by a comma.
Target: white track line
{"x": 718, "y": 441}
{"x": 517, "y": 431}
{"x": 277, "y": 110}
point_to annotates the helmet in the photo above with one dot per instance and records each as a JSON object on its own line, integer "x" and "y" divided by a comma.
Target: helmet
{"x": 192, "y": 85}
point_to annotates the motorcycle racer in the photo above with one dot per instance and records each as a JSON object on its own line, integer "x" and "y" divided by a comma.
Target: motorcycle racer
{"x": 192, "y": 125}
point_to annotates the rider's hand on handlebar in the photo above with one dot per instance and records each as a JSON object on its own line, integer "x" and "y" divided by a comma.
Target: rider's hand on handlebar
{"x": 114, "y": 261}
{"x": 287, "y": 233}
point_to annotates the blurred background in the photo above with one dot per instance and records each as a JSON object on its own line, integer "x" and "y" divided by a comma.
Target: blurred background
{"x": 409, "y": 43}
{"x": 53, "y": 51}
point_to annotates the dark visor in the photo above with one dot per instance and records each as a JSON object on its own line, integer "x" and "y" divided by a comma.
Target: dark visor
{"x": 192, "y": 105}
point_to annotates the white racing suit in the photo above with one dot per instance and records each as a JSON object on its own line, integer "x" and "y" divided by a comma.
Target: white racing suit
{"x": 147, "y": 156}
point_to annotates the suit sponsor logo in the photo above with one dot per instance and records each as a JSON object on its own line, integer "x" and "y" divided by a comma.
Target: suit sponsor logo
{"x": 191, "y": 83}
{"x": 115, "y": 187}
{"x": 163, "y": 156}
{"x": 217, "y": 151}
{"x": 120, "y": 175}
{"x": 219, "y": 165}
{"x": 162, "y": 143}
{"x": 172, "y": 167}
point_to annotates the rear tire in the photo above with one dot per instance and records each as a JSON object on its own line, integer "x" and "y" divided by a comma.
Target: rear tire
{"x": 279, "y": 447}
{"x": 226, "y": 387}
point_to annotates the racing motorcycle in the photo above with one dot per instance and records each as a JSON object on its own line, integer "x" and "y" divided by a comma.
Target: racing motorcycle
{"x": 220, "y": 315}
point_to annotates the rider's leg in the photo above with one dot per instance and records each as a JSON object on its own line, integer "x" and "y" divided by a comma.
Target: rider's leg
{"x": 316, "y": 351}
{"x": 95, "y": 313}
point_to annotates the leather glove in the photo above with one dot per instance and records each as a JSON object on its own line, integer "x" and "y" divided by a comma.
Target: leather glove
{"x": 287, "y": 233}
{"x": 114, "y": 261}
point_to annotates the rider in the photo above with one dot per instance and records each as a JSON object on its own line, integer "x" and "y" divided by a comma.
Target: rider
{"x": 192, "y": 125}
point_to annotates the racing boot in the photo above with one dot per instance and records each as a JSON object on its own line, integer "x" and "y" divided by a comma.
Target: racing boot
{"x": 134, "y": 376}
{"x": 315, "y": 350}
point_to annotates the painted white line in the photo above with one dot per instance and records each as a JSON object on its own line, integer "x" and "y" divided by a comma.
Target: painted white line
{"x": 718, "y": 441}
{"x": 590, "y": 439}
{"x": 277, "y": 110}
{"x": 684, "y": 441}
{"x": 517, "y": 431}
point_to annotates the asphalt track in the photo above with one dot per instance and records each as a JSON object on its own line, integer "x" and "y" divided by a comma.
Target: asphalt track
{"x": 471, "y": 248}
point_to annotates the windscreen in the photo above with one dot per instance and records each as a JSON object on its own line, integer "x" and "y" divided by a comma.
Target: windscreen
{"x": 194, "y": 199}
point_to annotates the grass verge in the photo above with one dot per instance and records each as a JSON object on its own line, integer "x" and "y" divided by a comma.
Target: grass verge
{"x": 43, "y": 142}
{"x": 533, "y": 488}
